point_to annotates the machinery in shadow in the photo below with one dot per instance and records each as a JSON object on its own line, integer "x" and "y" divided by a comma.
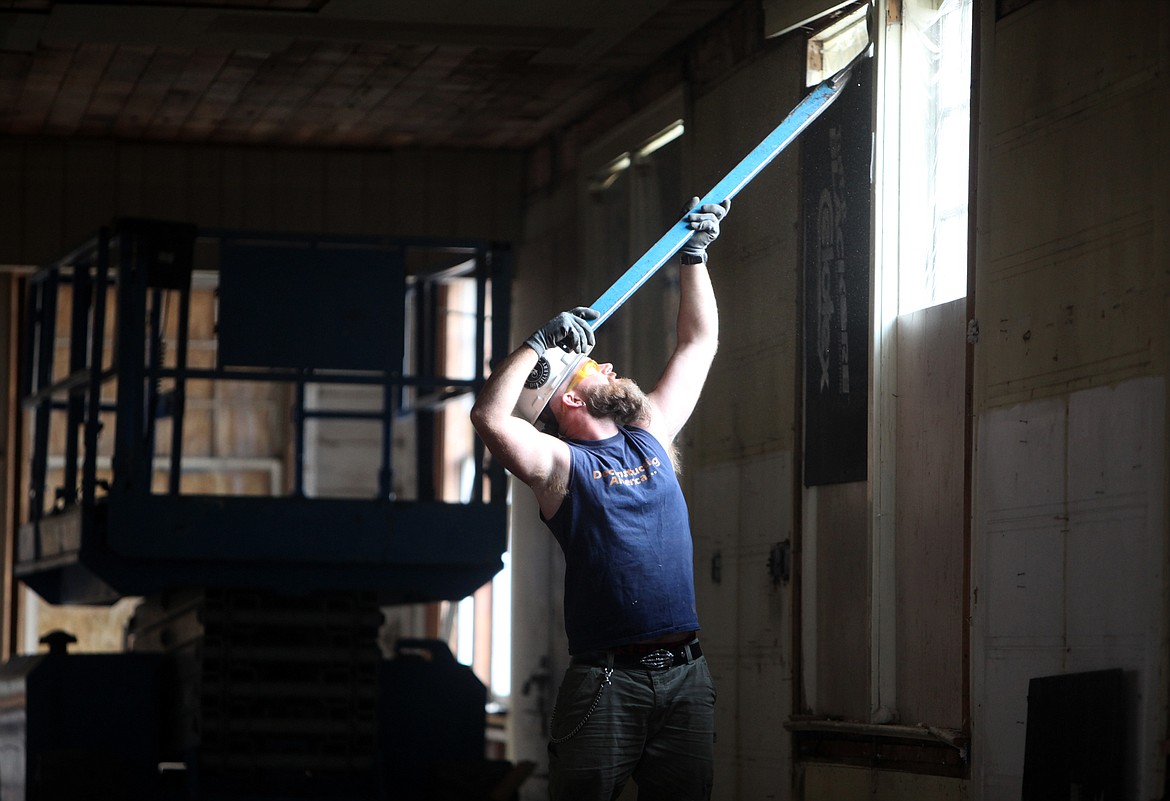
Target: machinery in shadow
{"x": 253, "y": 668}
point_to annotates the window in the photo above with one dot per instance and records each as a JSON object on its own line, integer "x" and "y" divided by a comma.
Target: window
{"x": 918, "y": 526}
{"x": 934, "y": 97}
{"x": 884, "y": 572}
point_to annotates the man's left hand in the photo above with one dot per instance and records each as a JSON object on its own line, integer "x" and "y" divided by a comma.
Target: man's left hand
{"x": 704, "y": 221}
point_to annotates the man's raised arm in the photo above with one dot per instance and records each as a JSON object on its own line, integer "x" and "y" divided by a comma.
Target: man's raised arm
{"x": 678, "y": 389}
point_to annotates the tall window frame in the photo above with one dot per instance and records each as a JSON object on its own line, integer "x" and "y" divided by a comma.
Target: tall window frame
{"x": 909, "y": 590}
{"x": 918, "y": 117}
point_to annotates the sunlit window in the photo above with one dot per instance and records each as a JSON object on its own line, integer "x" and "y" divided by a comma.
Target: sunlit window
{"x": 936, "y": 91}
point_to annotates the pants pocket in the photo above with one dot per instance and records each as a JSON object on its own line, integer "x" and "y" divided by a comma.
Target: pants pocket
{"x": 576, "y": 700}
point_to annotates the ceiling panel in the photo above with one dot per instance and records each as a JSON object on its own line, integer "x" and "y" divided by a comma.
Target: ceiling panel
{"x": 325, "y": 73}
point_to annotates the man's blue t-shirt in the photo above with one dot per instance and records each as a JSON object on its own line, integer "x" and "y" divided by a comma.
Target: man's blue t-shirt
{"x": 624, "y": 529}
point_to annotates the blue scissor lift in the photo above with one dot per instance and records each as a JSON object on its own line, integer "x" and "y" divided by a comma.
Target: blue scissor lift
{"x": 291, "y": 311}
{"x": 248, "y": 594}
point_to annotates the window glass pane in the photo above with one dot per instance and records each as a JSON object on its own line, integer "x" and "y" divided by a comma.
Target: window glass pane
{"x": 936, "y": 104}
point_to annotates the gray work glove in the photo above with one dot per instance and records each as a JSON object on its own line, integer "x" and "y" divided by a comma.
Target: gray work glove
{"x": 704, "y": 221}
{"x": 568, "y": 329}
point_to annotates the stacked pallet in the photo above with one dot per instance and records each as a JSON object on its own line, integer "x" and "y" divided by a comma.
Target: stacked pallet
{"x": 272, "y": 692}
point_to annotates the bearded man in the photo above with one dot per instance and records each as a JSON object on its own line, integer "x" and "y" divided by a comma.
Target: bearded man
{"x": 637, "y": 700}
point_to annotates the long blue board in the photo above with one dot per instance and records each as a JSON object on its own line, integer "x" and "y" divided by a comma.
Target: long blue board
{"x": 797, "y": 120}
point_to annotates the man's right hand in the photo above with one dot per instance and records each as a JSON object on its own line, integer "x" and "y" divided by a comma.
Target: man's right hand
{"x": 568, "y": 329}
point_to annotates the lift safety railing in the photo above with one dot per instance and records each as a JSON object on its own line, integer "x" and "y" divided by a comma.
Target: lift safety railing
{"x": 127, "y": 365}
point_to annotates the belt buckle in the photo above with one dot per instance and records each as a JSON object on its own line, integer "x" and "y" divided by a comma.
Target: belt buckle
{"x": 658, "y": 660}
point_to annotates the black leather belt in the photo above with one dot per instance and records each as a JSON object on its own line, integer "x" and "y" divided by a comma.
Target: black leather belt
{"x": 659, "y": 658}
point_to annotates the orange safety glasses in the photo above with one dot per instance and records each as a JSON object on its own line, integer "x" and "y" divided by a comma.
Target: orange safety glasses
{"x": 587, "y": 369}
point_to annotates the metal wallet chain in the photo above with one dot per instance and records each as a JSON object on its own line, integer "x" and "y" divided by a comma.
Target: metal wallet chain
{"x": 581, "y": 723}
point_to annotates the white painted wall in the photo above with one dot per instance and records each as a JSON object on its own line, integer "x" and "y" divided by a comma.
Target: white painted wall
{"x": 1069, "y": 567}
{"x": 1069, "y": 544}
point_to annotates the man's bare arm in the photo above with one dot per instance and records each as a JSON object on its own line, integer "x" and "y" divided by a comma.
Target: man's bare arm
{"x": 540, "y": 461}
{"x": 678, "y": 389}
{"x": 514, "y": 443}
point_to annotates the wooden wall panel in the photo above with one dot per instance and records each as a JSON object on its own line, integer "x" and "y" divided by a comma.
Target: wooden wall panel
{"x": 10, "y": 448}
{"x": 929, "y": 545}
{"x": 12, "y": 211}
{"x": 446, "y": 172}
{"x": 233, "y": 198}
{"x": 55, "y": 194}
{"x": 198, "y": 424}
{"x": 823, "y": 782}
{"x": 257, "y": 192}
{"x": 202, "y": 318}
{"x": 381, "y": 173}
{"x": 343, "y": 456}
{"x": 166, "y": 177}
{"x": 42, "y": 205}
{"x": 206, "y": 190}
{"x": 298, "y": 190}
{"x": 842, "y": 658}
{"x": 99, "y": 629}
{"x": 128, "y": 187}
{"x": 406, "y": 205}
{"x": 89, "y": 202}
{"x": 1051, "y": 83}
{"x": 342, "y": 198}
{"x": 713, "y": 498}
{"x": 1071, "y": 286}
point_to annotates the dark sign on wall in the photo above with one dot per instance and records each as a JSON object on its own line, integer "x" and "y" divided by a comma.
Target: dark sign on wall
{"x": 836, "y": 156}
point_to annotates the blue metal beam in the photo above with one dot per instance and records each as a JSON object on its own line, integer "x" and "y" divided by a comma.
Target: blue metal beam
{"x": 797, "y": 120}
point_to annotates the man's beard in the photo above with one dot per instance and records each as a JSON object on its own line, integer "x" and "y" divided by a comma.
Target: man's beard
{"x": 621, "y": 400}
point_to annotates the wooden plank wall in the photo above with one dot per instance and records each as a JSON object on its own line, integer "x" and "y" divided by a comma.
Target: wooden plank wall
{"x": 930, "y": 557}
{"x": 55, "y": 194}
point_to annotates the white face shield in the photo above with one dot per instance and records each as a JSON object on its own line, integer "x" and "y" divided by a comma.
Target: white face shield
{"x": 555, "y": 372}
